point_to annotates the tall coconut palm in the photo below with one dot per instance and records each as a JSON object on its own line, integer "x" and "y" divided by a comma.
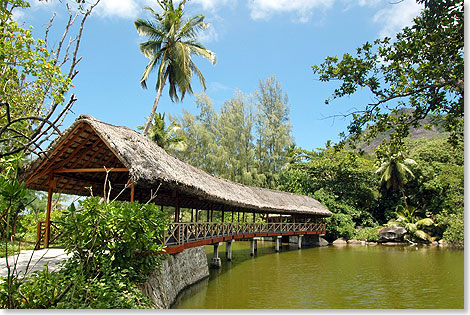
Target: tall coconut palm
{"x": 172, "y": 41}
{"x": 394, "y": 170}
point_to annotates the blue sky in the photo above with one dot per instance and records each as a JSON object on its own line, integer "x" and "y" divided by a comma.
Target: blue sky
{"x": 253, "y": 39}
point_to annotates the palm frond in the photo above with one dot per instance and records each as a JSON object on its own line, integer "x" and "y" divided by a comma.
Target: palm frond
{"x": 425, "y": 222}
{"x": 150, "y": 66}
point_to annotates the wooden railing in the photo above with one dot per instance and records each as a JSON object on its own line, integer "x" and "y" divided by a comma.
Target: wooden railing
{"x": 181, "y": 233}
{"x": 41, "y": 234}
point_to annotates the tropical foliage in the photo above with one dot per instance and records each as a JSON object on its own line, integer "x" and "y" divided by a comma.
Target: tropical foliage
{"x": 421, "y": 69}
{"x": 347, "y": 184}
{"x": 114, "y": 247}
{"x": 167, "y": 137}
{"x": 248, "y": 141}
{"x": 414, "y": 225}
{"x": 172, "y": 41}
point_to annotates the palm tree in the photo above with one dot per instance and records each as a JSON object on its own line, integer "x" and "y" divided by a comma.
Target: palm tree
{"x": 172, "y": 40}
{"x": 167, "y": 138}
{"x": 394, "y": 170}
{"x": 415, "y": 226}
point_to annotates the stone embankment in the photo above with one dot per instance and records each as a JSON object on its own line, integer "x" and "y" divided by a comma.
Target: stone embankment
{"x": 178, "y": 272}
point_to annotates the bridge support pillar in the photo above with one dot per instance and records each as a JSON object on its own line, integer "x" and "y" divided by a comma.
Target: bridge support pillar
{"x": 299, "y": 241}
{"x": 215, "y": 262}
{"x": 253, "y": 247}
{"x": 278, "y": 243}
{"x": 228, "y": 250}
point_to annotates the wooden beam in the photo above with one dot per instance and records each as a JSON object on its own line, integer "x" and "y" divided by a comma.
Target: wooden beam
{"x": 132, "y": 192}
{"x": 90, "y": 170}
{"x": 177, "y": 208}
{"x": 82, "y": 155}
{"x": 48, "y": 211}
{"x": 75, "y": 152}
{"x": 33, "y": 177}
{"x": 97, "y": 152}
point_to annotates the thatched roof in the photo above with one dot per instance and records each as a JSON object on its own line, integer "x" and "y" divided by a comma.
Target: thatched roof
{"x": 89, "y": 143}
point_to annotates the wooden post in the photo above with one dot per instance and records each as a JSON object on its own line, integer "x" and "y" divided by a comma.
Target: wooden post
{"x": 132, "y": 192}
{"x": 177, "y": 209}
{"x": 243, "y": 218}
{"x": 48, "y": 210}
{"x": 192, "y": 217}
{"x": 238, "y": 219}
{"x": 254, "y": 217}
{"x": 223, "y": 216}
{"x": 212, "y": 215}
{"x": 232, "y": 216}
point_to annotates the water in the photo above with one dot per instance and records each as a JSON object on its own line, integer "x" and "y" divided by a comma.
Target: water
{"x": 330, "y": 278}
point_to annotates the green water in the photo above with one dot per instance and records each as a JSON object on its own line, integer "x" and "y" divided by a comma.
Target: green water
{"x": 331, "y": 277}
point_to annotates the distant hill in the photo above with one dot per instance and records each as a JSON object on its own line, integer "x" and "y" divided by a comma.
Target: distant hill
{"x": 415, "y": 133}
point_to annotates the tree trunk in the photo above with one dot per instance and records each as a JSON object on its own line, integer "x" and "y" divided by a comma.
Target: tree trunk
{"x": 154, "y": 109}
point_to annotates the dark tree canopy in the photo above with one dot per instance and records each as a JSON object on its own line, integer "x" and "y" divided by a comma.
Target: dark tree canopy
{"x": 422, "y": 70}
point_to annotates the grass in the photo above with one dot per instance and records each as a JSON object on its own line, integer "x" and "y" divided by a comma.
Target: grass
{"x": 15, "y": 247}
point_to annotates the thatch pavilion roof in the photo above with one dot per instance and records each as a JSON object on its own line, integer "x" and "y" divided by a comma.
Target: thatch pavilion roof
{"x": 91, "y": 144}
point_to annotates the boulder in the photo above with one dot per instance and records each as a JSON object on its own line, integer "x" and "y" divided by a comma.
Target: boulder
{"x": 392, "y": 234}
{"x": 340, "y": 242}
{"x": 354, "y": 242}
{"x": 443, "y": 243}
{"x": 323, "y": 242}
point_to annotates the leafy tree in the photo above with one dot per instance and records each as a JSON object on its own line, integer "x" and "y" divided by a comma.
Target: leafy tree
{"x": 168, "y": 138}
{"x": 34, "y": 80}
{"x": 422, "y": 69}
{"x": 273, "y": 128}
{"x": 171, "y": 44}
{"x": 235, "y": 126}
{"x": 341, "y": 180}
{"x": 200, "y": 135}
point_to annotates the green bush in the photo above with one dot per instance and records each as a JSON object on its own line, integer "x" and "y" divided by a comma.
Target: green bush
{"x": 119, "y": 235}
{"x": 367, "y": 234}
{"x": 70, "y": 288}
{"x": 114, "y": 245}
{"x": 453, "y": 223}
{"x": 339, "y": 225}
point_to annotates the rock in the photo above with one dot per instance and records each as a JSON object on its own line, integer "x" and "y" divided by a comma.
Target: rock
{"x": 354, "y": 242}
{"x": 371, "y": 243}
{"x": 323, "y": 242}
{"x": 391, "y": 234}
{"x": 340, "y": 242}
{"x": 443, "y": 243}
{"x": 394, "y": 243}
{"x": 434, "y": 243}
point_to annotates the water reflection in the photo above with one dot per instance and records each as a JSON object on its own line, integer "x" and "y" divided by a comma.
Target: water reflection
{"x": 331, "y": 277}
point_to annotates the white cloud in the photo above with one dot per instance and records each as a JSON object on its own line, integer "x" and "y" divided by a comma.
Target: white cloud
{"x": 128, "y": 9}
{"x": 264, "y": 9}
{"x": 213, "y": 5}
{"x": 396, "y": 16}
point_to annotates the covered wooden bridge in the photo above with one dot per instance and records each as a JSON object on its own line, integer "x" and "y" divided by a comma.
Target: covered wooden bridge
{"x": 90, "y": 151}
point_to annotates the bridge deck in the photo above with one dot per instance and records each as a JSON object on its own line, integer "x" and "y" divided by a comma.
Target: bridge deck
{"x": 186, "y": 235}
